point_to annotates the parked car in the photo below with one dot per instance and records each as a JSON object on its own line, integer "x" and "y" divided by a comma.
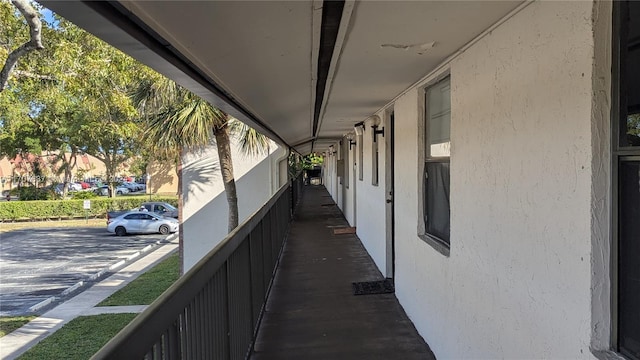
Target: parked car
{"x": 93, "y": 184}
{"x": 157, "y": 207}
{"x": 161, "y": 208}
{"x": 58, "y": 188}
{"x": 141, "y": 222}
{"x": 130, "y": 186}
{"x": 104, "y": 190}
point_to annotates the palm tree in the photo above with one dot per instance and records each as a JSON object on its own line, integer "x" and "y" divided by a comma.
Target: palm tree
{"x": 178, "y": 119}
{"x": 250, "y": 140}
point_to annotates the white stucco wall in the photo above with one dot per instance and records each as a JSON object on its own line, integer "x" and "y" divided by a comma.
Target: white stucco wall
{"x": 328, "y": 173}
{"x": 601, "y": 245}
{"x": 371, "y": 200}
{"x": 348, "y": 200}
{"x": 205, "y": 211}
{"x": 340, "y": 180}
{"x": 517, "y": 281}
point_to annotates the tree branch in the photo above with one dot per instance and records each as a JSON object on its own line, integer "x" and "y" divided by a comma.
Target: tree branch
{"x": 34, "y": 76}
{"x": 34, "y": 43}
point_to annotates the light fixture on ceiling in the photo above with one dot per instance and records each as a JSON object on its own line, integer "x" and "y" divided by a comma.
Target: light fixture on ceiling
{"x": 375, "y": 122}
{"x": 359, "y": 128}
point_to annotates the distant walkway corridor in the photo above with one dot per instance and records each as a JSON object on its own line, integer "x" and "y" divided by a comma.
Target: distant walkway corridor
{"x": 312, "y": 312}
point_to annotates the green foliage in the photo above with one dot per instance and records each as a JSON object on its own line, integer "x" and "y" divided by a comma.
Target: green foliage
{"x": 11, "y": 323}
{"x": 83, "y": 195}
{"x": 138, "y": 166}
{"x": 58, "y": 209}
{"x": 251, "y": 142}
{"x": 297, "y": 163}
{"x": 80, "y": 338}
{"x": 34, "y": 193}
{"x": 146, "y": 288}
{"x": 72, "y": 96}
{"x": 311, "y": 161}
{"x": 175, "y": 117}
{"x": 633, "y": 129}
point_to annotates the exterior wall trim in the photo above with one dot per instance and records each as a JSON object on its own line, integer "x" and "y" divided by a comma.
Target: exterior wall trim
{"x": 603, "y": 337}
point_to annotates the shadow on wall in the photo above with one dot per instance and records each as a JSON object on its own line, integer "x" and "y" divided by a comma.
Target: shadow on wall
{"x": 205, "y": 208}
{"x": 164, "y": 179}
{"x": 202, "y": 174}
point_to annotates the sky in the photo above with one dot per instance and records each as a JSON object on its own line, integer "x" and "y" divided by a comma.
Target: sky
{"x": 47, "y": 16}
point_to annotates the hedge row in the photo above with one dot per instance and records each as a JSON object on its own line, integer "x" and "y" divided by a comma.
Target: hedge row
{"x": 65, "y": 209}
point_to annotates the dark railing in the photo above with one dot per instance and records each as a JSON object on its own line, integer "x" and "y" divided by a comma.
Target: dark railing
{"x": 213, "y": 311}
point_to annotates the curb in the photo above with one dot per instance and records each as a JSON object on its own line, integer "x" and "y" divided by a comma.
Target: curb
{"x": 102, "y": 273}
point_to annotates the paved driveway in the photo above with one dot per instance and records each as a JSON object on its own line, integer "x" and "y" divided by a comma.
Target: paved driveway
{"x": 39, "y": 263}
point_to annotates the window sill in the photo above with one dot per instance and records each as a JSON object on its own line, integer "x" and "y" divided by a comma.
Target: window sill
{"x": 436, "y": 243}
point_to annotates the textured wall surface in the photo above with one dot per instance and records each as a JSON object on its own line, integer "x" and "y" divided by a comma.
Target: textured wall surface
{"x": 371, "y": 200}
{"x": 600, "y": 186}
{"x": 348, "y": 199}
{"x": 517, "y": 282}
{"x": 205, "y": 209}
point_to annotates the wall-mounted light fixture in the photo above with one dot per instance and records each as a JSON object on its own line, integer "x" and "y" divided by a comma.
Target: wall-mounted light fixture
{"x": 332, "y": 150}
{"x": 351, "y": 142}
{"x": 375, "y": 122}
{"x": 359, "y": 128}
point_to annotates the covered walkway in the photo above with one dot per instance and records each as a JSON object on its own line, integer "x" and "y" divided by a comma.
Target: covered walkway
{"x": 312, "y": 313}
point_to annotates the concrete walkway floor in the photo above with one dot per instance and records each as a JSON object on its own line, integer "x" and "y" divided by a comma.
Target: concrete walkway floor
{"x": 16, "y": 343}
{"x": 312, "y": 313}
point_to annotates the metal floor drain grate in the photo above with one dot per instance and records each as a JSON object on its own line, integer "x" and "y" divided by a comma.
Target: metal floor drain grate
{"x": 373, "y": 287}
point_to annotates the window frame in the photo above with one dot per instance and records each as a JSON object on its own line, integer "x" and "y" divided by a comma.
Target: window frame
{"x": 621, "y": 152}
{"x": 375, "y": 159}
{"x": 347, "y": 161}
{"x": 132, "y": 217}
{"x": 441, "y": 245}
{"x": 360, "y": 146}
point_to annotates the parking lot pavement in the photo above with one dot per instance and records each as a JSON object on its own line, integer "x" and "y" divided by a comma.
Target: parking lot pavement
{"x": 37, "y": 264}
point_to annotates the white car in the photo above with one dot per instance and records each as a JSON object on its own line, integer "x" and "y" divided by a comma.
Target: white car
{"x": 141, "y": 222}
{"x": 133, "y": 187}
{"x": 104, "y": 190}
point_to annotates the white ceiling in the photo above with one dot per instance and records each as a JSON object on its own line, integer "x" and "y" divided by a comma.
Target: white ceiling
{"x": 263, "y": 53}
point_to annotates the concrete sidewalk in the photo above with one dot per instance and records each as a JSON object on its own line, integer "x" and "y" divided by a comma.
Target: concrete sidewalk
{"x": 16, "y": 343}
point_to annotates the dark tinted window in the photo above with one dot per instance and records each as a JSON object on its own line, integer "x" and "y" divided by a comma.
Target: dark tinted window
{"x": 627, "y": 158}
{"x": 629, "y": 259}
{"x": 437, "y": 155}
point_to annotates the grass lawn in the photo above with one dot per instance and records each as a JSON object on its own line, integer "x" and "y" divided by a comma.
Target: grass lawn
{"x": 147, "y": 287}
{"x": 10, "y": 226}
{"x": 10, "y": 323}
{"x": 80, "y": 338}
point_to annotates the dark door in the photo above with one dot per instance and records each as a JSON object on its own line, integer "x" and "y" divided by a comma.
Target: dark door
{"x": 389, "y": 191}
